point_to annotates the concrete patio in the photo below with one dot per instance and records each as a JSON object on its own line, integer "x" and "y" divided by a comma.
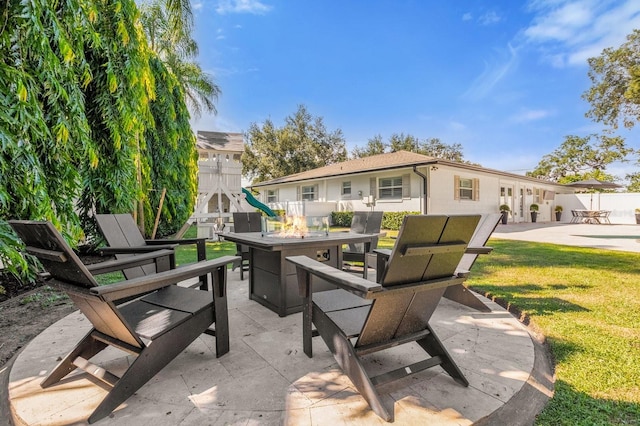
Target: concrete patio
{"x": 266, "y": 379}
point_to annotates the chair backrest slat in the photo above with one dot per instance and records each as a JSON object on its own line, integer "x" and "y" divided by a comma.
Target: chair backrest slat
{"x": 247, "y": 222}
{"x": 365, "y": 223}
{"x": 52, "y": 255}
{"x": 120, "y": 230}
{"x": 426, "y": 249}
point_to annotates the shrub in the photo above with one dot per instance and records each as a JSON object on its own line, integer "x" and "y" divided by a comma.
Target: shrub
{"x": 393, "y": 220}
{"x": 390, "y": 220}
{"x": 342, "y": 219}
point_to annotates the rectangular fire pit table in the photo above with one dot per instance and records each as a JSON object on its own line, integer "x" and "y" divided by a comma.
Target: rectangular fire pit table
{"x": 272, "y": 280}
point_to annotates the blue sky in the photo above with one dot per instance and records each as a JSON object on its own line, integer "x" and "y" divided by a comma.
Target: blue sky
{"x": 503, "y": 78}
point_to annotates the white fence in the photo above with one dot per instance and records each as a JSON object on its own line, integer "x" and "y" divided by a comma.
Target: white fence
{"x": 305, "y": 208}
{"x": 621, "y": 205}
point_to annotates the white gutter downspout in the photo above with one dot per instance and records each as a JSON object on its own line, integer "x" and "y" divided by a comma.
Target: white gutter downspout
{"x": 424, "y": 185}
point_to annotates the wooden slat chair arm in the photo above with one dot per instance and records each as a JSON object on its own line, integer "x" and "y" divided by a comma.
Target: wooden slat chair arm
{"x": 116, "y": 264}
{"x": 134, "y": 250}
{"x": 181, "y": 241}
{"x": 128, "y": 262}
{"x": 145, "y": 284}
{"x": 349, "y": 282}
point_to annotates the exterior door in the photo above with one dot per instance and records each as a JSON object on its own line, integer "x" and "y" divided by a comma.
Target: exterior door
{"x": 506, "y": 197}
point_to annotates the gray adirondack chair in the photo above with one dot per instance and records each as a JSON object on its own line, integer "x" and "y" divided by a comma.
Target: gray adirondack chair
{"x": 245, "y": 222}
{"x": 362, "y": 317}
{"x": 155, "y": 327}
{"x": 477, "y": 246}
{"x": 363, "y": 223}
{"x": 125, "y": 240}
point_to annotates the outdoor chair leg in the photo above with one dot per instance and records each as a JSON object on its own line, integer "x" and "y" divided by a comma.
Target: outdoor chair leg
{"x": 219, "y": 278}
{"x": 348, "y": 359}
{"x": 87, "y": 348}
{"x": 460, "y": 294}
{"x": 151, "y": 360}
{"x": 434, "y": 347}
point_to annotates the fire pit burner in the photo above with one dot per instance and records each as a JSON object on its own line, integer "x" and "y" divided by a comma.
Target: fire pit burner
{"x": 296, "y": 227}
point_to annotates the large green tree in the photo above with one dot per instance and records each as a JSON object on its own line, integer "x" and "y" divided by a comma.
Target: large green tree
{"x": 117, "y": 109}
{"x": 178, "y": 77}
{"x": 172, "y": 156}
{"x": 374, "y": 146}
{"x": 432, "y": 147}
{"x": 615, "y": 92}
{"x": 580, "y": 158}
{"x": 44, "y": 132}
{"x": 303, "y": 143}
{"x": 77, "y": 104}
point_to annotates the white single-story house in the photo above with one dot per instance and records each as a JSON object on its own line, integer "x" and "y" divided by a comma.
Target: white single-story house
{"x": 406, "y": 181}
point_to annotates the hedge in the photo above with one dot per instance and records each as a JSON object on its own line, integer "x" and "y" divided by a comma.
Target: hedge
{"x": 390, "y": 220}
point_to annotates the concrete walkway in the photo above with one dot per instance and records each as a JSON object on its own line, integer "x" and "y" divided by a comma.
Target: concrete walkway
{"x": 266, "y": 379}
{"x": 608, "y": 237}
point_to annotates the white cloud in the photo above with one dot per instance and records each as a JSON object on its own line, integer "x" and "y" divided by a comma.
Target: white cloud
{"x": 197, "y": 5}
{"x": 255, "y": 7}
{"x": 215, "y": 123}
{"x": 528, "y": 115}
{"x": 457, "y": 126}
{"x": 467, "y": 17}
{"x": 492, "y": 75}
{"x": 489, "y": 18}
{"x": 571, "y": 31}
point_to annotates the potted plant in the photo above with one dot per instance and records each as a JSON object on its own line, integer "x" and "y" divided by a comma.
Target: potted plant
{"x": 558, "y": 213}
{"x": 505, "y": 209}
{"x": 638, "y": 216}
{"x": 533, "y": 208}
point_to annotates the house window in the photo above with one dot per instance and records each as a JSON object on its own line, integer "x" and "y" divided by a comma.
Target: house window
{"x": 538, "y": 195}
{"x": 272, "y": 196}
{"x": 466, "y": 188}
{"x": 390, "y": 188}
{"x": 346, "y": 188}
{"x": 308, "y": 193}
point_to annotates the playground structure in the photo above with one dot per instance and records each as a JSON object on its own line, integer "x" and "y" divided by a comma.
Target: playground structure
{"x": 220, "y": 191}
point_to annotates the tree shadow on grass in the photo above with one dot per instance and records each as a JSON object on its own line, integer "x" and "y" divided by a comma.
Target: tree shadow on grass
{"x": 536, "y": 306}
{"x": 570, "y": 406}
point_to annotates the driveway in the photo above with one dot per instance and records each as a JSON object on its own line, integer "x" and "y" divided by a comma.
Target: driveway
{"x": 610, "y": 237}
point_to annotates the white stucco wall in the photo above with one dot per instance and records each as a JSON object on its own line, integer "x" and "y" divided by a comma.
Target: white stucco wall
{"x": 441, "y": 199}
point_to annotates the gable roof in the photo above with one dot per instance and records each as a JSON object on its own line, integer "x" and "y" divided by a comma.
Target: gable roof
{"x": 387, "y": 161}
{"x": 220, "y": 141}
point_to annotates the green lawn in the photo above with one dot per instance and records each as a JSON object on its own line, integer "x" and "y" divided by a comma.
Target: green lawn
{"x": 587, "y": 304}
